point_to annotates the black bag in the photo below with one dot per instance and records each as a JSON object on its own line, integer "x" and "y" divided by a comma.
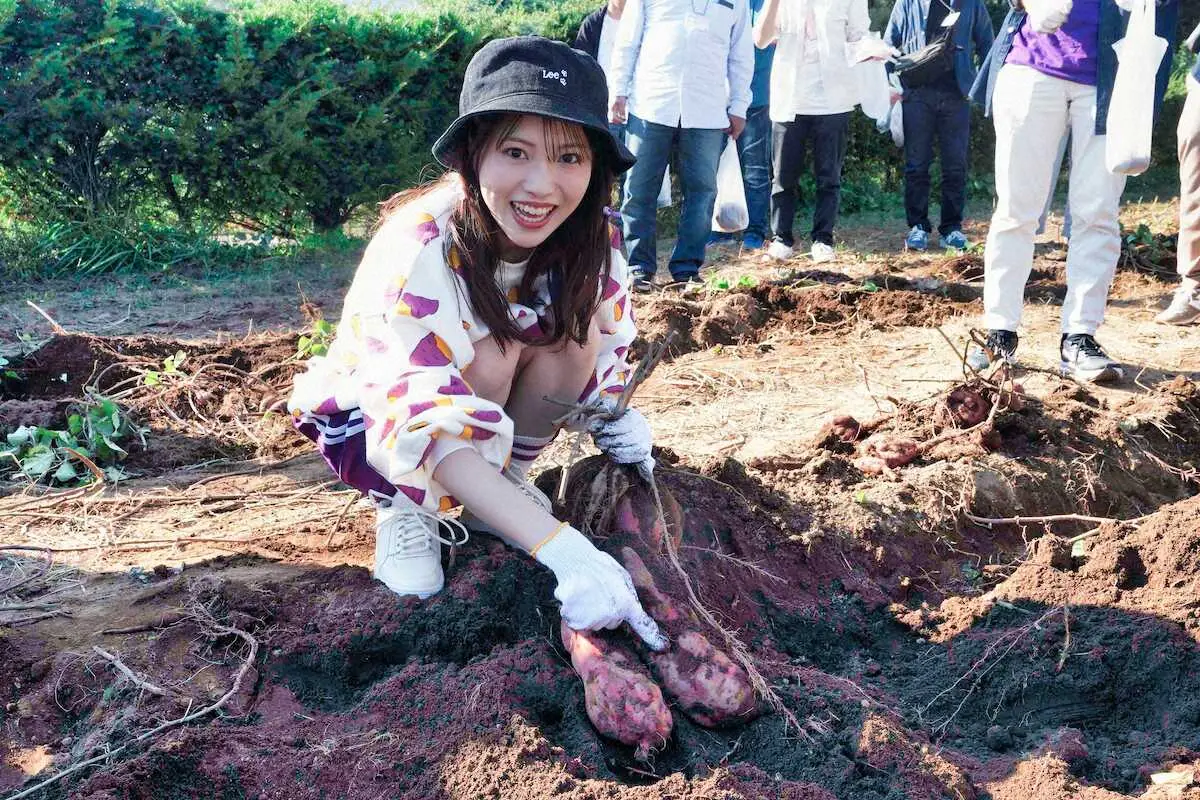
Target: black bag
{"x": 927, "y": 64}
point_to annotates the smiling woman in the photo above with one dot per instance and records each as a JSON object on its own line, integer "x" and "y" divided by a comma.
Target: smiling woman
{"x": 425, "y": 402}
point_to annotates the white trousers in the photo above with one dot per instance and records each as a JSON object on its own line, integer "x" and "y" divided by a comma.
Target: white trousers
{"x": 1032, "y": 113}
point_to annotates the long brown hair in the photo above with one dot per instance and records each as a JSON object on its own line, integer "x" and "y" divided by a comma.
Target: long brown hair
{"x": 573, "y": 257}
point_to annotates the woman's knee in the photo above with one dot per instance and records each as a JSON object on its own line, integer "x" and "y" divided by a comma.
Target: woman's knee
{"x": 490, "y": 375}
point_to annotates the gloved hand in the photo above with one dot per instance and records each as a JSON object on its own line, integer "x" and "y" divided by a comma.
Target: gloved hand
{"x": 1047, "y": 16}
{"x": 626, "y": 439}
{"x": 595, "y": 590}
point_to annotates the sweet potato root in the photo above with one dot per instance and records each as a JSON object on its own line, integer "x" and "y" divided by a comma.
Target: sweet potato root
{"x": 621, "y": 699}
{"x": 709, "y": 686}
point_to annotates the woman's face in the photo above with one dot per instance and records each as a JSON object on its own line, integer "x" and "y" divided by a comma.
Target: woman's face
{"x": 532, "y": 176}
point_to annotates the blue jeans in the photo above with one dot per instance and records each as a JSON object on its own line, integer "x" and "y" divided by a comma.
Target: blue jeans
{"x": 931, "y": 113}
{"x": 698, "y": 150}
{"x": 754, "y": 151}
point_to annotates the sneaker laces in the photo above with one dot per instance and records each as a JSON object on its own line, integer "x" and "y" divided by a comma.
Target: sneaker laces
{"x": 1086, "y": 344}
{"x": 410, "y": 534}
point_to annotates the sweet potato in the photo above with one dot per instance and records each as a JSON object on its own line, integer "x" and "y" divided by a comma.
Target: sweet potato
{"x": 709, "y": 686}
{"x": 621, "y": 699}
{"x": 963, "y": 408}
{"x": 883, "y": 452}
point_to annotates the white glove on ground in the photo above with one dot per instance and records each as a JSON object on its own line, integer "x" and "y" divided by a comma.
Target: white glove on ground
{"x": 595, "y": 590}
{"x": 1047, "y": 16}
{"x": 626, "y": 439}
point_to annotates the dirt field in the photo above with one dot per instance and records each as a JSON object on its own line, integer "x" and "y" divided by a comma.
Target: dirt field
{"x": 847, "y": 502}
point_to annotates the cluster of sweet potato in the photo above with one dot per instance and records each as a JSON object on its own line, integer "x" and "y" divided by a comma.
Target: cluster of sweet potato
{"x": 627, "y": 685}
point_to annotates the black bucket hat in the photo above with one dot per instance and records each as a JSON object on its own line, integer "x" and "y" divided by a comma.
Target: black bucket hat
{"x": 533, "y": 75}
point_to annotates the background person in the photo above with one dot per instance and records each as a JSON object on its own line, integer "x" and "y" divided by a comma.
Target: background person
{"x": 1053, "y": 70}
{"x": 813, "y": 91}
{"x": 480, "y": 295}
{"x": 937, "y": 107}
{"x": 1185, "y": 304}
{"x": 596, "y": 36}
{"x": 754, "y": 150}
{"x": 681, "y": 81}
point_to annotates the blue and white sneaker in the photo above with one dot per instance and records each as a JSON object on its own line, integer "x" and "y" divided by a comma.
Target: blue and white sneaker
{"x": 999, "y": 346}
{"x": 917, "y": 239}
{"x": 1084, "y": 359}
{"x": 955, "y": 240}
{"x": 752, "y": 241}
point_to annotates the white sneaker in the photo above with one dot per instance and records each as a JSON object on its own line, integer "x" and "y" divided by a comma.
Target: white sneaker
{"x": 821, "y": 252}
{"x": 779, "y": 251}
{"x": 1184, "y": 308}
{"x": 408, "y": 553}
{"x": 528, "y": 489}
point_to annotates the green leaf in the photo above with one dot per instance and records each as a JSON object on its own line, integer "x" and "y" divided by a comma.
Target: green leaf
{"x": 75, "y": 424}
{"x": 21, "y": 436}
{"x": 323, "y": 328}
{"x": 66, "y": 473}
{"x": 319, "y": 349}
{"x": 151, "y": 379}
{"x": 38, "y": 461}
{"x": 870, "y": 286}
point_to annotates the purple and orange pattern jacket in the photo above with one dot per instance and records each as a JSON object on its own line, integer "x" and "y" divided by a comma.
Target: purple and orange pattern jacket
{"x": 406, "y": 335}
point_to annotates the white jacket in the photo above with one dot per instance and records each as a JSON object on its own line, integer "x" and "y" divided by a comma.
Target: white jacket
{"x": 841, "y": 24}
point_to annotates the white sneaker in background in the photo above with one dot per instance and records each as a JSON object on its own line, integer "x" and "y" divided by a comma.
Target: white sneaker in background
{"x": 779, "y": 251}
{"x": 821, "y": 252}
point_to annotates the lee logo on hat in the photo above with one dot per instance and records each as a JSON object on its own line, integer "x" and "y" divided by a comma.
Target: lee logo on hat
{"x": 560, "y": 75}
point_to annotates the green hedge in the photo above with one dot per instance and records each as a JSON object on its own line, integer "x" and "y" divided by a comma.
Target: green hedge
{"x": 282, "y": 115}
{"x": 274, "y": 114}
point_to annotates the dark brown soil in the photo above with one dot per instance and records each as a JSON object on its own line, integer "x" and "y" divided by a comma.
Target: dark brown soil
{"x": 925, "y": 655}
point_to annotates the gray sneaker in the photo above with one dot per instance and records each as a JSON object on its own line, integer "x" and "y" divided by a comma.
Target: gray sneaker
{"x": 1084, "y": 359}
{"x": 999, "y": 346}
{"x": 1184, "y": 308}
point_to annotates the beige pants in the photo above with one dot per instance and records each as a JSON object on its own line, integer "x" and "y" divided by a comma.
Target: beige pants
{"x": 1189, "y": 189}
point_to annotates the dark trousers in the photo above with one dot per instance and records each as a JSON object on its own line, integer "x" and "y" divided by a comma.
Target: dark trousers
{"x": 945, "y": 115}
{"x": 828, "y": 134}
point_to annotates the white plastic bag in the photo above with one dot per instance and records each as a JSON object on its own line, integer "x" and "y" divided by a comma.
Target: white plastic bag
{"x": 896, "y": 122}
{"x": 730, "y": 214}
{"x": 664, "y": 191}
{"x": 874, "y": 95}
{"x": 870, "y": 75}
{"x": 1131, "y": 110}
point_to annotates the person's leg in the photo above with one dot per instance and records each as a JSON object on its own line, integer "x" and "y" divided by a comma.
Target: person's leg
{"x": 754, "y": 150}
{"x": 1030, "y": 114}
{"x": 699, "y": 155}
{"x": 919, "y": 126}
{"x": 788, "y": 144}
{"x": 954, "y": 130}
{"x": 1189, "y": 191}
{"x": 830, "y": 134}
{"x": 1094, "y": 195}
{"x": 651, "y": 144}
{"x": 1058, "y": 162}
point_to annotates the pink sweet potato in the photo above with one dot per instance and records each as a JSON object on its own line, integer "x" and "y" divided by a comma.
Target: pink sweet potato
{"x": 621, "y": 699}
{"x": 883, "y": 452}
{"x": 710, "y": 687}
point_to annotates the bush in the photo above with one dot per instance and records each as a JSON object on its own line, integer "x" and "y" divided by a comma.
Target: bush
{"x": 279, "y": 115}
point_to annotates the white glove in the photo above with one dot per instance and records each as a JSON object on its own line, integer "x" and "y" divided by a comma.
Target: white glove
{"x": 595, "y": 590}
{"x": 1047, "y": 16}
{"x": 626, "y": 439}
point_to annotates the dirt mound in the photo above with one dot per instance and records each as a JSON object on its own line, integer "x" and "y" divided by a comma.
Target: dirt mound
{"x": 208, "y": 404}
{"x": 801, "y": 306}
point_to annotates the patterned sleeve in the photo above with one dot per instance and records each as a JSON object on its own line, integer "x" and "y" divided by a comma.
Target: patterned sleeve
{"x": 412, "y": 342}
{"x": 614, "y": 317}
